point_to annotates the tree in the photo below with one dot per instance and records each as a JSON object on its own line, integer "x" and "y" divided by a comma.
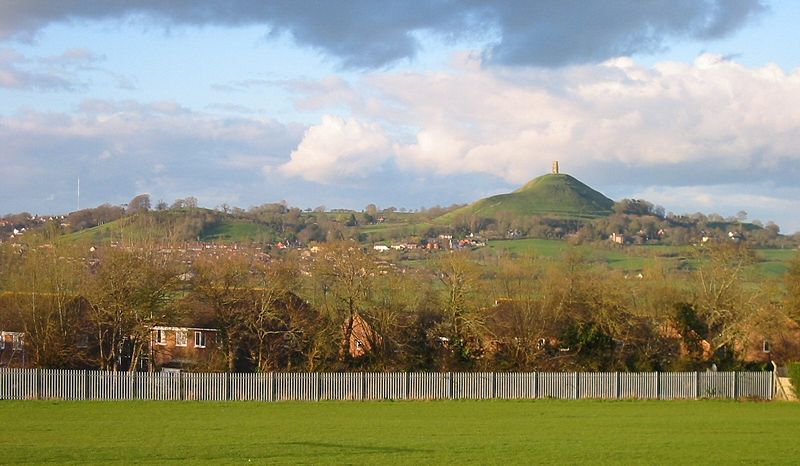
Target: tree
{"x": 44, "y": 299}
{"x": 140, "y": 203}
{"x": 130, "y": 292}
{"x": 343, "y": 274}
{"x": 725, "y": 306}
{"x": 278, "y": 322}
{"x": 461, "y": 300}
{"x": 221, "y": 284}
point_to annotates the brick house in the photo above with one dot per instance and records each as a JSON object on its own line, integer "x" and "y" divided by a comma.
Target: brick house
{"x": 182, "y": 347}
{"x": 362, "y": 338}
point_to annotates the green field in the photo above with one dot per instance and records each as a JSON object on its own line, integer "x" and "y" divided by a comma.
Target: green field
{"x": 443, "y": 432}
{"x": 769, "y": 262}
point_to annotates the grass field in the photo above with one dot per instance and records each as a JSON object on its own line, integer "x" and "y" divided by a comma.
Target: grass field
{"x": 445, "y": 432}
{"x": 770, "y": 262}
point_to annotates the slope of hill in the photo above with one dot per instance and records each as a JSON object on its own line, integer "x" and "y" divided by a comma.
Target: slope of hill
{"x": 178, "y": 225}
{"x": 561, "y": 196}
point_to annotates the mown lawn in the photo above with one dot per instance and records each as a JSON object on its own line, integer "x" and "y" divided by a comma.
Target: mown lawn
{"x": 443, "y": 432}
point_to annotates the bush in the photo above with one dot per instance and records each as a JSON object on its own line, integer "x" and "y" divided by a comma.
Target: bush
{"x": 794, "y": 376}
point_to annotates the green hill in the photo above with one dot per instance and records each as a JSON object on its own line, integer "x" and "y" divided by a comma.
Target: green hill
{"x": 560, "y": 196}
{"x": 178, "y": 225}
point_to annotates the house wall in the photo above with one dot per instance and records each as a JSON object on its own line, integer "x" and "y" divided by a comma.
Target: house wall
{"x": 11, "y": 356}
{"x": 172, "y": 355}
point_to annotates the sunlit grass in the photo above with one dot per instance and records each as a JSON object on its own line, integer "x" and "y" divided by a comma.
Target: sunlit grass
{"x": 472, "y": 432}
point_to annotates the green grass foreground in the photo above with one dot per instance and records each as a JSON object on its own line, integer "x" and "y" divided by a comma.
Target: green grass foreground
{"x": 451, "y": 432}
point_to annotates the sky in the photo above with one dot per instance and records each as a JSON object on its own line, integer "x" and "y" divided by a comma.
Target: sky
{"x": 690, "y": 104}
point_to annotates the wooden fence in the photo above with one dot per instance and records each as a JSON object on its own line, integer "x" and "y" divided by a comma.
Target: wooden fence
{"x": 21, "y": 384}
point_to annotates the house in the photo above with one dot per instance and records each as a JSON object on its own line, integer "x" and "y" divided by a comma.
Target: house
{"x": 190, "y": 342}
{"x": 12, "y": 349}
{"x": 618, "y": 238}
{"x": 13, "y": 344}
{"x": 361, "y": 339}
{"x": 381, "y": 247}
{"x": 180, "y": 347}
{"x": 780, "y": 343}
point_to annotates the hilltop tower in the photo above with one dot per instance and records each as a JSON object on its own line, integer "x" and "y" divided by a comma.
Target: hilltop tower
{"x": 555, "y": 167}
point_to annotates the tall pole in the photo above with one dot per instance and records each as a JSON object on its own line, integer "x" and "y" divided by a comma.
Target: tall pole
{"x": 79, "y": 193}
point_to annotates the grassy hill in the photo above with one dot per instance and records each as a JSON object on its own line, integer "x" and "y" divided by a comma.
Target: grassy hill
{"x": 560, "y": 196}
{"x": 178, "y": 225}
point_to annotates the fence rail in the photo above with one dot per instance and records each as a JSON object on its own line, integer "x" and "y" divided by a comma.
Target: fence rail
{"x": 21, "y": 384}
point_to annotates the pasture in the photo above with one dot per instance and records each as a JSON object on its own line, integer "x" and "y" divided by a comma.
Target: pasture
{"x": 442, "y": 432}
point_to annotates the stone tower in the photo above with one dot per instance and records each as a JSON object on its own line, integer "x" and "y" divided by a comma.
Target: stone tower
{"x": 555, "y": 167}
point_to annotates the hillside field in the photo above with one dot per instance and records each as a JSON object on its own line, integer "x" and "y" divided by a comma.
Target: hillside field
{"x": 442, "y": 432}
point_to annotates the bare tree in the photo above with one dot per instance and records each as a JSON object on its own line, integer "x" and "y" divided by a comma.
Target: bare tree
{"x": 130, "y": 292}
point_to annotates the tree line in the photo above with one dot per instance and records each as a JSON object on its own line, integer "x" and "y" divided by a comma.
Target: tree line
{"x": 477, "y": 310}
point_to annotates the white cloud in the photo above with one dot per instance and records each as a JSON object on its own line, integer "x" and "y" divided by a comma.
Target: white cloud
{"x": 339, "y": 148}
{"x": 702, "y": 118}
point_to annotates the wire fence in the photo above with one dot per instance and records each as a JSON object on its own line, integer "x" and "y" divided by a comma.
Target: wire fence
{"x": 22, "y": 384}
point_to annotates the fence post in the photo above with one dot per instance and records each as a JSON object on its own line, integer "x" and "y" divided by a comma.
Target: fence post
{"x": 617, "y": 388}
{"x": 658, "y": 385}
{"x": 407, "y": 387}
{"x": 38, "y": 383}
{"x": 181, "y": 394}
{"x": 575, "y": 385}
{"x": 450, "y": 382}
{"x": 772, "y": 384}
{"x": 733, "y": 388}
{"x": 494, "y": 385}
{"x": 133, "y": 386}
{"x": 227, "y": 386}
{"x": 696, "y": 385}
{"x": 86, "y": 384}
{"x": 318, "y": 385}
{"x": 272, "y": 387}
{"x": 535, "y": 385}
{"x": 363, "y": 385}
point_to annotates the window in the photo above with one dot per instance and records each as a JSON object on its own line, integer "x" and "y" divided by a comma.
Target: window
{"x": 766, "y": 347}
{"x": 199, "y": 340}
{"x": 161, "y": 337}
{"x": 82, "y": 341}
{"x": 180, "y": 337}
{"x": 2, "y": 341}
{"x": 17, "y": 341}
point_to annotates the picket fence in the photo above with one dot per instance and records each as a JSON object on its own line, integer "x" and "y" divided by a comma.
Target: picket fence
{"x": 20, "y": 384}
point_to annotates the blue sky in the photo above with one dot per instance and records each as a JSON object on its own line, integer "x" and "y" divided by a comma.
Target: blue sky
{"x": 688, "y": 104}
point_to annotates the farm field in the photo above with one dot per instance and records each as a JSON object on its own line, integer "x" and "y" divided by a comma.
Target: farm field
{"x": 769, "y": 262}
{"x": 445, "y": 432}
